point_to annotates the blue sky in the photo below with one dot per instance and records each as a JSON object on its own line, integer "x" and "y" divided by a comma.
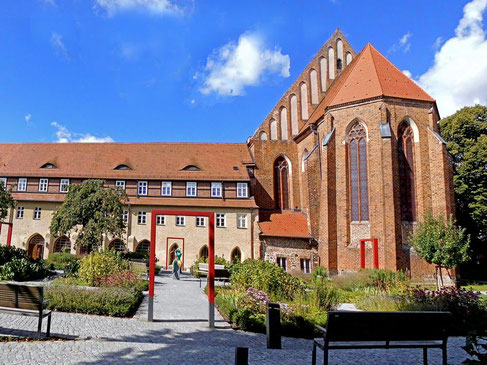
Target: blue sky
{"x": 163, "y": 70}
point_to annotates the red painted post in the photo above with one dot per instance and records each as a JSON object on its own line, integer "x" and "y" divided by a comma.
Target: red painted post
{"x": 211, "y": 269}
{"x": 362, "y": 254}
{"x": 9, "y": 234}
{"x": 376, "y": 252}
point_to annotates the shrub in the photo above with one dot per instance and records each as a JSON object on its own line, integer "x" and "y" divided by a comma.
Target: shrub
{"x": 118, "y": 302}
{"x": 386, "y": 280}
{"x": 319, "y": 272}
{"x": 123, "y": 279}
{"x": 23, "y": 269}
{"x": 135, "y": 255}
{"x": 263, "y": 275}
{"x": 9, "y": 253}
{"x": 99, "y": 264}
{"x": 61, "y": 259}
{"x": 324, "y": 295}
{"x": 352, "y": 281}
{"x": 71, "y": 269}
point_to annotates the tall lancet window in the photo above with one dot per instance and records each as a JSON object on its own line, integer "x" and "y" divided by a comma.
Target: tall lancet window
{"x": 281, "y": 183}
{"x": 405, "y": 145}
{"x": 359, "y": 186}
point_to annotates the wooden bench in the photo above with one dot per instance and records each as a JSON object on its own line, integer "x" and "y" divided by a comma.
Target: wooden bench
{"x": 221, "y": 273}
{"x": 347, "y": 330}
{"x": 26, "y": 300}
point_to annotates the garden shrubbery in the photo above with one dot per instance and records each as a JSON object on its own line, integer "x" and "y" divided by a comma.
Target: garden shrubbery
{"x": 60, "y": 260}
{"x": 15, "y": 265}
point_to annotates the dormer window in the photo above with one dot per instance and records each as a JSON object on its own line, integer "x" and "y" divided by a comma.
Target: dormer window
{"x": 48, "y": 166}
{"x": 123, "y": 167}
{"x": 191, "y": 168}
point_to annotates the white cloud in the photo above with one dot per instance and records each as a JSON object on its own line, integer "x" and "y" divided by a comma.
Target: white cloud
{"x": 438, "y": 43}
{"x": 403, "y": 44}
{"x": 234, "y": 66}
{"x": 27, "y": 118}
{"x": 157, "y": 7}
{"x": 407, "y": 73}
{"x": 63, "y": 135}
{"x": 458, "y": 76}
{"x": 58, "y": 45}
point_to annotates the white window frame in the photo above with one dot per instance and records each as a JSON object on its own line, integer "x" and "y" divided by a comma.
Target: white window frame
{"x": 125, "y": 216}
{"x": 120, "y": 184}
{"x": 142, "y": 188}
{"x": 166, "y": 188}
{"x": 306, "y": 268}
{"x": 282, "y": 262}
{"x": 64, "y": 183}
{"x": 221, "y": 220}
{"x": 20, "y": 213}
{"x": 4, "y": 180}
{"x": 43, "y": 183}
{"x": 200, "y": 222}
{"x": 242, "y": 190}
{"x": 142, "y": 218}
{"x": 191, "y": 188}
{"x": 180, "y": 220}
{"x": 22, "y": 184}
{"x": 37, "y": 213}
{"x": 216, "y": 189}
{"x": 160, "y": 220}
{"x": 242, "y": 221}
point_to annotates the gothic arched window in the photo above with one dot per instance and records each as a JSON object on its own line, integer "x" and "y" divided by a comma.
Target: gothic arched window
{"x": 281, "y": 183}
{"x": 359, "y": 186}
{"x": 405, "y": 140}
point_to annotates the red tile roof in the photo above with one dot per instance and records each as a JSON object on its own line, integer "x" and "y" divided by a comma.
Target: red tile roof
{"x": 369, "y": 75}
{"x": 217, "y": 161}
{"x": 284, "y": 224}
{"x": 152, "y": 201}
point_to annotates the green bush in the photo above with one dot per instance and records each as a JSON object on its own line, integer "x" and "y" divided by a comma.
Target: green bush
{"x": 9, "y": 253}
{"x": 266, "y": 276}
{"x": 61, "y": 259}
{"x": 135, "y": 255}
{"x": 23, "y": 269}
{"x": 374, "y": 280}
{"x": 99, "y": 264}
{"x": 112, "y": 301}
{"x": 386, "y": 280}
{"x": 319, "y": 272}
{"x": 71, "y": 269}
{"x": 352, "y": 281}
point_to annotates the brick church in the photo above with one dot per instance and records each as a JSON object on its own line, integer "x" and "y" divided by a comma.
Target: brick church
{"x": 350, "y": 152}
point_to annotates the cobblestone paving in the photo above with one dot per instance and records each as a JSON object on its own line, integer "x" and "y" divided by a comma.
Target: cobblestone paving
{"x": 178, "y": 336}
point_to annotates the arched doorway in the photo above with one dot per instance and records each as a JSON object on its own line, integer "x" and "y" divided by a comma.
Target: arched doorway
{"x": 236, "y": 255}
{"x": 118, "y": 245}
{"x": 36, "y": 246}
{"x": 172, "y": 252}
{"x": 204, "y": 252}
{"x": 62, "y": 244}
{"x": 143, "y": 246}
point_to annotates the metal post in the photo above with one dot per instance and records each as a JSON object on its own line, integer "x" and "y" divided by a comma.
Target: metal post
{"x": 241, "y": 356}
{"x": 273, "y": 326}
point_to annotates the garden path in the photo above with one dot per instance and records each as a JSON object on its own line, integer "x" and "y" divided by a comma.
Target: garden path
{"x": 179, "y": 336}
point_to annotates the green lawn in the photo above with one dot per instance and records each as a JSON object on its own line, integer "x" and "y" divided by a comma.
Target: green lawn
{"x": 475, "y": 287}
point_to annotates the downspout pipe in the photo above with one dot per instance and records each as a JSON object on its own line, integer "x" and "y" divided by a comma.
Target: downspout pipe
{"x": 313, "y": 129}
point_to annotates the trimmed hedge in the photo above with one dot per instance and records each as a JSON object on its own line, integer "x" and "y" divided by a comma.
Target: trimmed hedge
{"x": 112, "y": 301}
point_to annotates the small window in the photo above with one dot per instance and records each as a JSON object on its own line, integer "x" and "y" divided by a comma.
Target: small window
{"x": 64, "y": 186}
{"x": 216, "y": 189}
{"x": 191, "y": 168}
{"x": 166, "y": 188}
{"x": 120, "y": 184}
{"x": 221, "y": 220}
{"x": 142, "y": 188}
{"x": 282, "y": 262}
{"x": 161, "y": 220}
{"x": 180, "y": 220}
{"x": 200, "y": 222}
{"x": 48, "y": 166}
{"x": 43, "y": 184}
{"x": 242, "y": 190}
{"x": 241, "y": 220}
{"x": 236, "y": 256}
{"x": 339, "y": 65}
{"x": 204, "y": 252}
{"x": 123, "y": 167}
{"x": 125, "y": 216}
{"x": 37, "y": 212}
{"x": 22, "y": 185}
{"x": 191, "y": 189}
{"x": 3, "y": 182}
{"x": 142, "y": 218}
{"x": 305, "y": 266}
{"x": 20, "y": 212}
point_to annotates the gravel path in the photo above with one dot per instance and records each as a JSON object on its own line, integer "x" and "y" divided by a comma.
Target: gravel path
{"x": 180, "y": 335}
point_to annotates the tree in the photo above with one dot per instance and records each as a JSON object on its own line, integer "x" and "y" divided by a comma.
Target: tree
{"x": 92, "y": 210}
{"x": 466, "y": 135}
{"x": 6, "y": 201}
{"x": 441, "y": 243}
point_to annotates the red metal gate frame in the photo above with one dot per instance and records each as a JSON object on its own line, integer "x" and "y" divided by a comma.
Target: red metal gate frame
{"x": 9, "y": 233}
{"x": 211, "y": 259}
{"x": 375, "y": 247}
{"x": 167, "y": 250}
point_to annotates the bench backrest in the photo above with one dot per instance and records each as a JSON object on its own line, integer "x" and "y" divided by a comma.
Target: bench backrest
{"x": 21, "y": 296}
{"x": 204, "y": 267}
{"x": 387, "y": 326}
